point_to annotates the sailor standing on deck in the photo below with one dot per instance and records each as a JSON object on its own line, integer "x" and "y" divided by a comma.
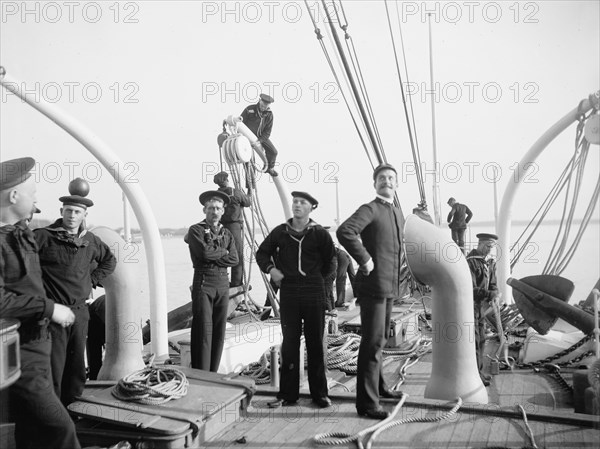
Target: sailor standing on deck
{"x": 233, "y": 220}
{"x": 212, "y": 249}
{"x": 41, "y": 421}
{"x": 458, "y": 218}
{"x": 73, "y": 262}
{"x": 373, "y": 237}
{"x": 305, "y": 255}
{"x": 485, "y": 291}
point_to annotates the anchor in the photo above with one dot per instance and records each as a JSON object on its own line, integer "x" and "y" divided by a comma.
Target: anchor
{"x": 543, "y": 299}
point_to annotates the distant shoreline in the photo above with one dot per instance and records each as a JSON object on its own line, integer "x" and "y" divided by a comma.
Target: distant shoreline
{"x": 172, "y": 232}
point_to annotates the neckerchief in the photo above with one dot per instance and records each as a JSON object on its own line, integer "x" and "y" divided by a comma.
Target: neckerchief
{"x": 63, "y": 235}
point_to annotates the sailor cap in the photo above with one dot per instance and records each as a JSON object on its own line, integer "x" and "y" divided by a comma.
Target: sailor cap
{"x": 15, "y": 171}
{"x": 307, "y": 196}
{"x": 210, "y": 194}
{"x": 76, "y": 200}
{"x": 266, "y": 98}
{"x": 487, "y": 236}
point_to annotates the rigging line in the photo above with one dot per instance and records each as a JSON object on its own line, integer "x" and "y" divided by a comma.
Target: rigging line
{"x": 548, "y": 202}
{"x": 410, "y": 134}
{"x": 586, "y": 220}
{"x": 551, "y": 201}
{"x": 413, "y": 121}
{"x": 359, "y": 75}
{"x": 550, "y": 198}
{"x": 359, "y": 123}
{"x": 577, "y": 190}
{"x": 363, "y": 118}
{"x": 352, "y": 82}
{"x": 363, "y": 91}
{"x": 337, "y": 80}
{"x": 546, "y": 205}
{"x": 356, "y": 111}
{"x": 554, "y": 255}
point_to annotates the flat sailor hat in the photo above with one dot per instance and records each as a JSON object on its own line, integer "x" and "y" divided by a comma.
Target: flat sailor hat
{"x": 487, "y": 236}
{"x": 15, "y": 171}
{"x": 307, "y": 196}
{"x": 209, "y": 194}
{"x": 266, "y": 98}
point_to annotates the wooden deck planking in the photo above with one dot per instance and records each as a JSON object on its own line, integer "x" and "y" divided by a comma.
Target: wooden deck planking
{"x": 292, "y": 427}
{"x": 500, "y": 429}
{"x": 480, "y": 430}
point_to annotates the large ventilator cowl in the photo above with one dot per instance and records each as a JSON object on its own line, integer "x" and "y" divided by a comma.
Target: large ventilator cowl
{"x": 434, "y": 259}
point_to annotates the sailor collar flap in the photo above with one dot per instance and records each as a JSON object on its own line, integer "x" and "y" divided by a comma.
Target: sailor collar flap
{"x": 210, "y": 234}
{"x": 60, "y": 233}
{"x": 299, "y": 234}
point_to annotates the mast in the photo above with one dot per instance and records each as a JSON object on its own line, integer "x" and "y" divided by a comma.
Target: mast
{"x": 337, "y": 202}
{"x": 436, "y": 188}
{"x": 352, "y": 82}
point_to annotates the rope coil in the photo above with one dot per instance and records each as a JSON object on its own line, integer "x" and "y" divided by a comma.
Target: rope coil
{"x": 152, "y": 386}
{"x": 340, "y": 438}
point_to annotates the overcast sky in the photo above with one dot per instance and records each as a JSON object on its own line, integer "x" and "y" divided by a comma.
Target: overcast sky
{"x": 155, "y": 79}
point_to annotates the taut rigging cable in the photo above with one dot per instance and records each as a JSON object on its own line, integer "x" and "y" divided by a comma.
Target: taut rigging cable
{"x": 560, "y": 255}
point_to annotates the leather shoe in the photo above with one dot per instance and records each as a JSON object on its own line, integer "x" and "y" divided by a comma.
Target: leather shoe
{"x": 377, "y": 413}
{"x": 280, "y": 402}
{"x": 391, "y": 394}
{"x": 485, "y": 377}
{"x": 323, "y": 402}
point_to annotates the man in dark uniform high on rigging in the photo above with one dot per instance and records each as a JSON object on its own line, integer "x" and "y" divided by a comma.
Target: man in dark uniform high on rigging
{"x": 259, "y": 119}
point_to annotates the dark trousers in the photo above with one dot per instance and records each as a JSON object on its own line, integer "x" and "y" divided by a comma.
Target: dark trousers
{"x": 329, "y": 298}
{"x": 345, "y": 270}
{"x": 68, "y": 355}
{"x": 95, "y": 341}
{"x": 296, "y": 310}
{"x": 375, "y": 315}
{"x": 270, "y": 152}
{"x": 458, "y": 235}
{"x": 275, "y": 290}
{"x": 210, "y": 301}
{"x": 237, "y": 272}
{"x": 41, "y": 420}
{"x": 479, "y": 309}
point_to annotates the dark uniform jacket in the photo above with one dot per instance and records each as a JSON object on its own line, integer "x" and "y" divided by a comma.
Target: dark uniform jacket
{"x": 260, "y": 123}
{"x": 309, "y": 253}
{"x": 22, "y": 294}
{"x": 459, "y": 216}
{"x": 237, "y": 200}
{"x": 483, "y": 274}
{"x": 375, "y": 231}
{"x": 66, "y": 260}
{"x": 210, "y": 249}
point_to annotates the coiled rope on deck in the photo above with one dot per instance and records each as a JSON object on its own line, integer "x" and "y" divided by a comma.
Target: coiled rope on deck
{"x": 341, "y": 438}
{"x": 152, "y": 386}
{"x": 259, "y": 371}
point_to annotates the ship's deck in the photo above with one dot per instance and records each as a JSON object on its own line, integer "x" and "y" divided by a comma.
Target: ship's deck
{"x": 549, "y": 420}
{"x": 549, "y": 417}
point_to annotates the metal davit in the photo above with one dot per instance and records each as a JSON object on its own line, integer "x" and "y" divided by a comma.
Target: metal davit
{"x": 141, "y": 207}
{"x": 437, "y": 261}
